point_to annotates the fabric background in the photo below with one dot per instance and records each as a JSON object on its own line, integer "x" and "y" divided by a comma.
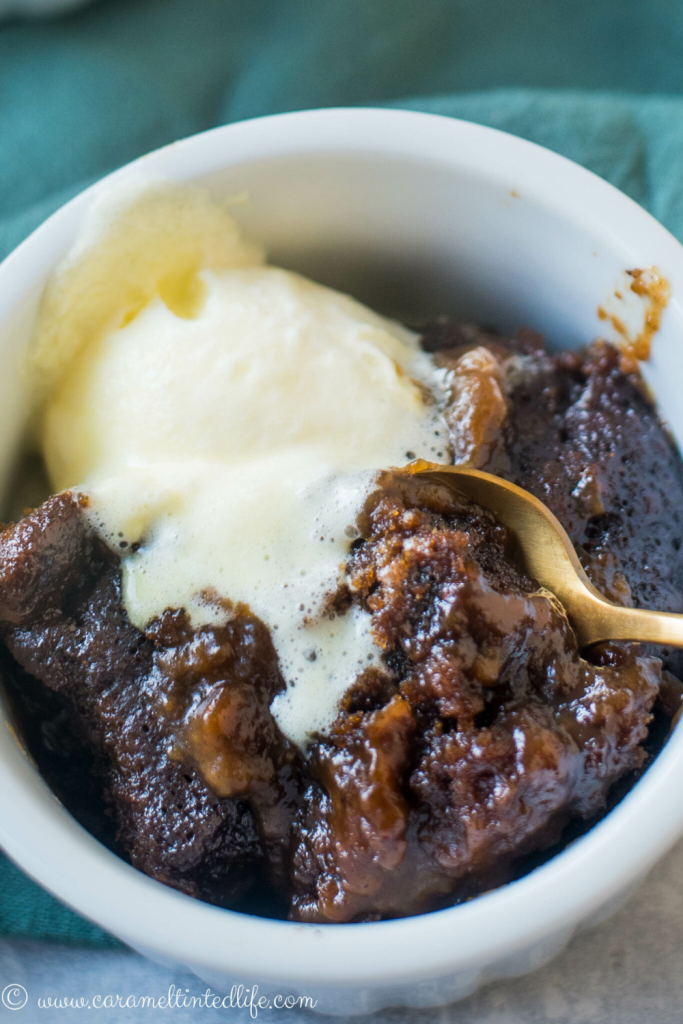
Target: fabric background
{"x": 600, "y": 81}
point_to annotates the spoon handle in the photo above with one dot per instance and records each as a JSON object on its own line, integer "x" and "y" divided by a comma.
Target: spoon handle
{"x": 549, "y": 557}
{"x": 613, "y": 622}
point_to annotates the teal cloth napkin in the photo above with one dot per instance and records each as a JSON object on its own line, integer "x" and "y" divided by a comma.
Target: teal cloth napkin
{"x": 600, "y": 81}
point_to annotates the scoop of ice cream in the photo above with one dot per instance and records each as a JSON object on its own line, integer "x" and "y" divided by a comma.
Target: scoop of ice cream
{"x": 271, "y": 363}
{"x": 228, "y": 444}
{"x": 141, "y": 238}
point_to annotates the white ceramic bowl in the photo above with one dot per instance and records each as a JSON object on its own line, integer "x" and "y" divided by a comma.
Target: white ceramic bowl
{"x": 417, "y": 215}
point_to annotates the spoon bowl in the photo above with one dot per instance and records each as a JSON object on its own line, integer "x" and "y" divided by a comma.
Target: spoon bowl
{"x": 548, "y": 556}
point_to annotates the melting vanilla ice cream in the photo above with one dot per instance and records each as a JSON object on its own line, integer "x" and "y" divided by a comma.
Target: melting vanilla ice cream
{"x": 227, "y": 420}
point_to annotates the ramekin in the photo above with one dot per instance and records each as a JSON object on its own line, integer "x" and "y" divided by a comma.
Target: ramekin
{"x": 418, "y": 215}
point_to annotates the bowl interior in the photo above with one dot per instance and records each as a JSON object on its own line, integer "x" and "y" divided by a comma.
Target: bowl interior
{"x": 417, "y": 238}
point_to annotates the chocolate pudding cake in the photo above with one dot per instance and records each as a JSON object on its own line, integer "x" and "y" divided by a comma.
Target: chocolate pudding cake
{"x": 261, "y": 657}
{"x": 481, "y": 736}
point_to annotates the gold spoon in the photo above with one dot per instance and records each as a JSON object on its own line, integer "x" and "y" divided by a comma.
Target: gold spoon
{"x": 549, "y": 557}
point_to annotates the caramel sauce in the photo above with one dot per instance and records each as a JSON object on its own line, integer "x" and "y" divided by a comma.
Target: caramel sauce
{"x": 651, "y": 286}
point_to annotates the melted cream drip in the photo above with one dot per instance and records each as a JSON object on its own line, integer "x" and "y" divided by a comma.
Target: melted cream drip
{"x": 235, "y": 442}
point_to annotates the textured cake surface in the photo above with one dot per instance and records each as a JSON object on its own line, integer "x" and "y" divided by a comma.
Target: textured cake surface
{"x": 481, "y": 734}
